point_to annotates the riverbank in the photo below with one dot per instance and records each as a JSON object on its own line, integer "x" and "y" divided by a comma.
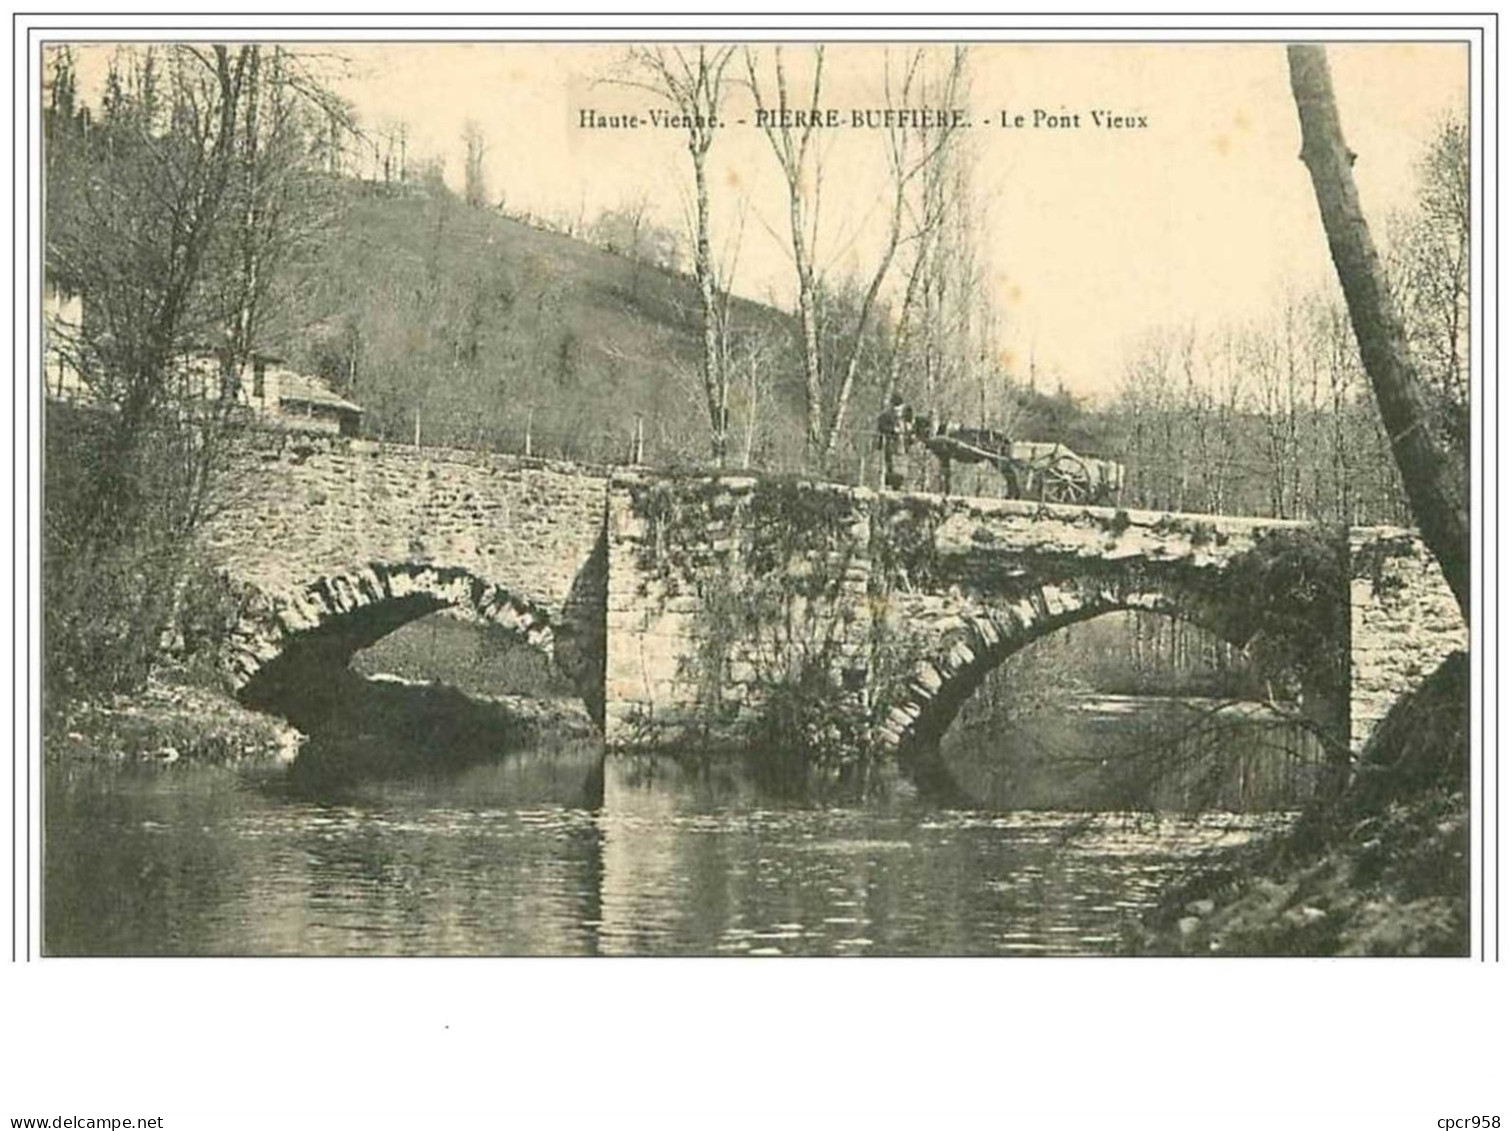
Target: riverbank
{"x": 1394, "y": 883}
{"x": 167, "y": 724}
{"x": 1385, "y": 871}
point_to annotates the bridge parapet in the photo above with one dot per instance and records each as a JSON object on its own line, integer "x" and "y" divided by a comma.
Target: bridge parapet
{"x": 987, "y": 544}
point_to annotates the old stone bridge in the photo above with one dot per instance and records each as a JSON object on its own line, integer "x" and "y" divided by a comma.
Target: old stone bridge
{"x": 677, "y": 604}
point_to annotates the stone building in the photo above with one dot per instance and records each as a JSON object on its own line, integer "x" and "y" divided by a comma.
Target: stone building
{"x": 295, "y": 401}
{"x": 272, "y": 393}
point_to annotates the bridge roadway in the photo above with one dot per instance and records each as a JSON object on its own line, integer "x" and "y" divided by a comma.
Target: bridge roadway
{"x": 627, "y": 580}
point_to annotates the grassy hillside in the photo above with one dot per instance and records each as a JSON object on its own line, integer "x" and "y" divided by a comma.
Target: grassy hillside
{"x": 416, "y": 305}
{"x": 421, "y": 308}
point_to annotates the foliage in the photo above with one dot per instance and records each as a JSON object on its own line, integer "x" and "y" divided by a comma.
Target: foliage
{"x": 771, "y": 523}
{"x": 1391, "y": 883}
{"x": 1390, "y": 879}
{"x": 115, "y": 608}
{"x": 1382, "y": 868}
{"x": 767, "y": 561}
{"x": 1288, "y": 598}
{"x": 903, "y": 547}
{"x": 167, "y": 724}
{"x": 172, "y": 208}
{"x": 812, "y": 729}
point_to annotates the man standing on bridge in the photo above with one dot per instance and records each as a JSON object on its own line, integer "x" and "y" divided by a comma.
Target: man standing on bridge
{"x": 893, "y": 427}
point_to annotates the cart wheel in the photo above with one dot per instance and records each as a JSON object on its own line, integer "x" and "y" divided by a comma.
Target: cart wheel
{"x": 1066, "y": 480}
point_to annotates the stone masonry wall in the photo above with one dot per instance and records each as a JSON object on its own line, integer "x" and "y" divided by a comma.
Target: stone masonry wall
{"x": 1405, "y": 622}
{"x": 693, "y": 640}
{"x": 295, "y": 511}
{"x": 973, "y": 580}
{"x": 948, "y": 558}
{"x": 922, "y": 577}
{"x": 643, "y": 577}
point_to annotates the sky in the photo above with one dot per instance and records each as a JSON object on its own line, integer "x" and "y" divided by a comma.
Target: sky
{"x": 1090, "y": 237}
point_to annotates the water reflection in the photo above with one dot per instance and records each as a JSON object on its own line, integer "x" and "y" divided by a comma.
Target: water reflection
{"x": 558, "y": 851}
{"x": 1121, "y": 752}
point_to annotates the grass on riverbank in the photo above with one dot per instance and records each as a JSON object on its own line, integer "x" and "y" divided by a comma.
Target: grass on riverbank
{"x": 1394, "y": 883}
{"x": 1385, "y": 871}
{"x": 167, "y": 723}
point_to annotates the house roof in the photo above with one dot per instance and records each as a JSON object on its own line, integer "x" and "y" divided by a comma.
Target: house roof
{"x": 301, "y": 389}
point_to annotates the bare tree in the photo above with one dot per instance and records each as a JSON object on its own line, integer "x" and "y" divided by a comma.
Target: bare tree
{"x": 622, "y": 229}
{"x": 1428, "y": 263}
{"x": 1146, "y": 400}
{"x": 1228, "y": 401}
{"x": 630, "y": 230}
{"x": 953, "y": 346}
{"x": 1275, "y": 357}
{"x": 692, "y": 82}
{"x": 910, "y": 153}
{"x": 1341, "y": 363}
{"x": 758, "y": 355}
{"x": 175, "y": 211}
{"x": 941, "y": 292}
{"x": 153, "y": 180}
{"x": 275, "y": 205}
{"x": 1433, "y": 483}
{"x": 793, "y": 144}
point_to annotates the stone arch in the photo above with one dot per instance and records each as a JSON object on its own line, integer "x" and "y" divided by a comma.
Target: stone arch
{"x": 926, "y": 700}
{"x": 341, "y": 613}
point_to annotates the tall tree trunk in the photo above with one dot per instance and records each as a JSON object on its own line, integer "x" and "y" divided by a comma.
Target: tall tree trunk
{"x": 807, "y": 309}
{"x": 1437, "y": 499}
{"x": 857, "y": 343}
{"x": 715, "y": 380}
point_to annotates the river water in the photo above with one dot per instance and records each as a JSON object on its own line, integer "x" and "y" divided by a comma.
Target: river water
{"x": 559, "y": 851}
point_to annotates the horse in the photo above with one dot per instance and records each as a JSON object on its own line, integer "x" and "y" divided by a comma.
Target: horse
{"x": 951, "y": 443}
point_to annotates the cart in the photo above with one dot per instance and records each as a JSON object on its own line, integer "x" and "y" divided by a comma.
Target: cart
{"x": 1030, "y": 469}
